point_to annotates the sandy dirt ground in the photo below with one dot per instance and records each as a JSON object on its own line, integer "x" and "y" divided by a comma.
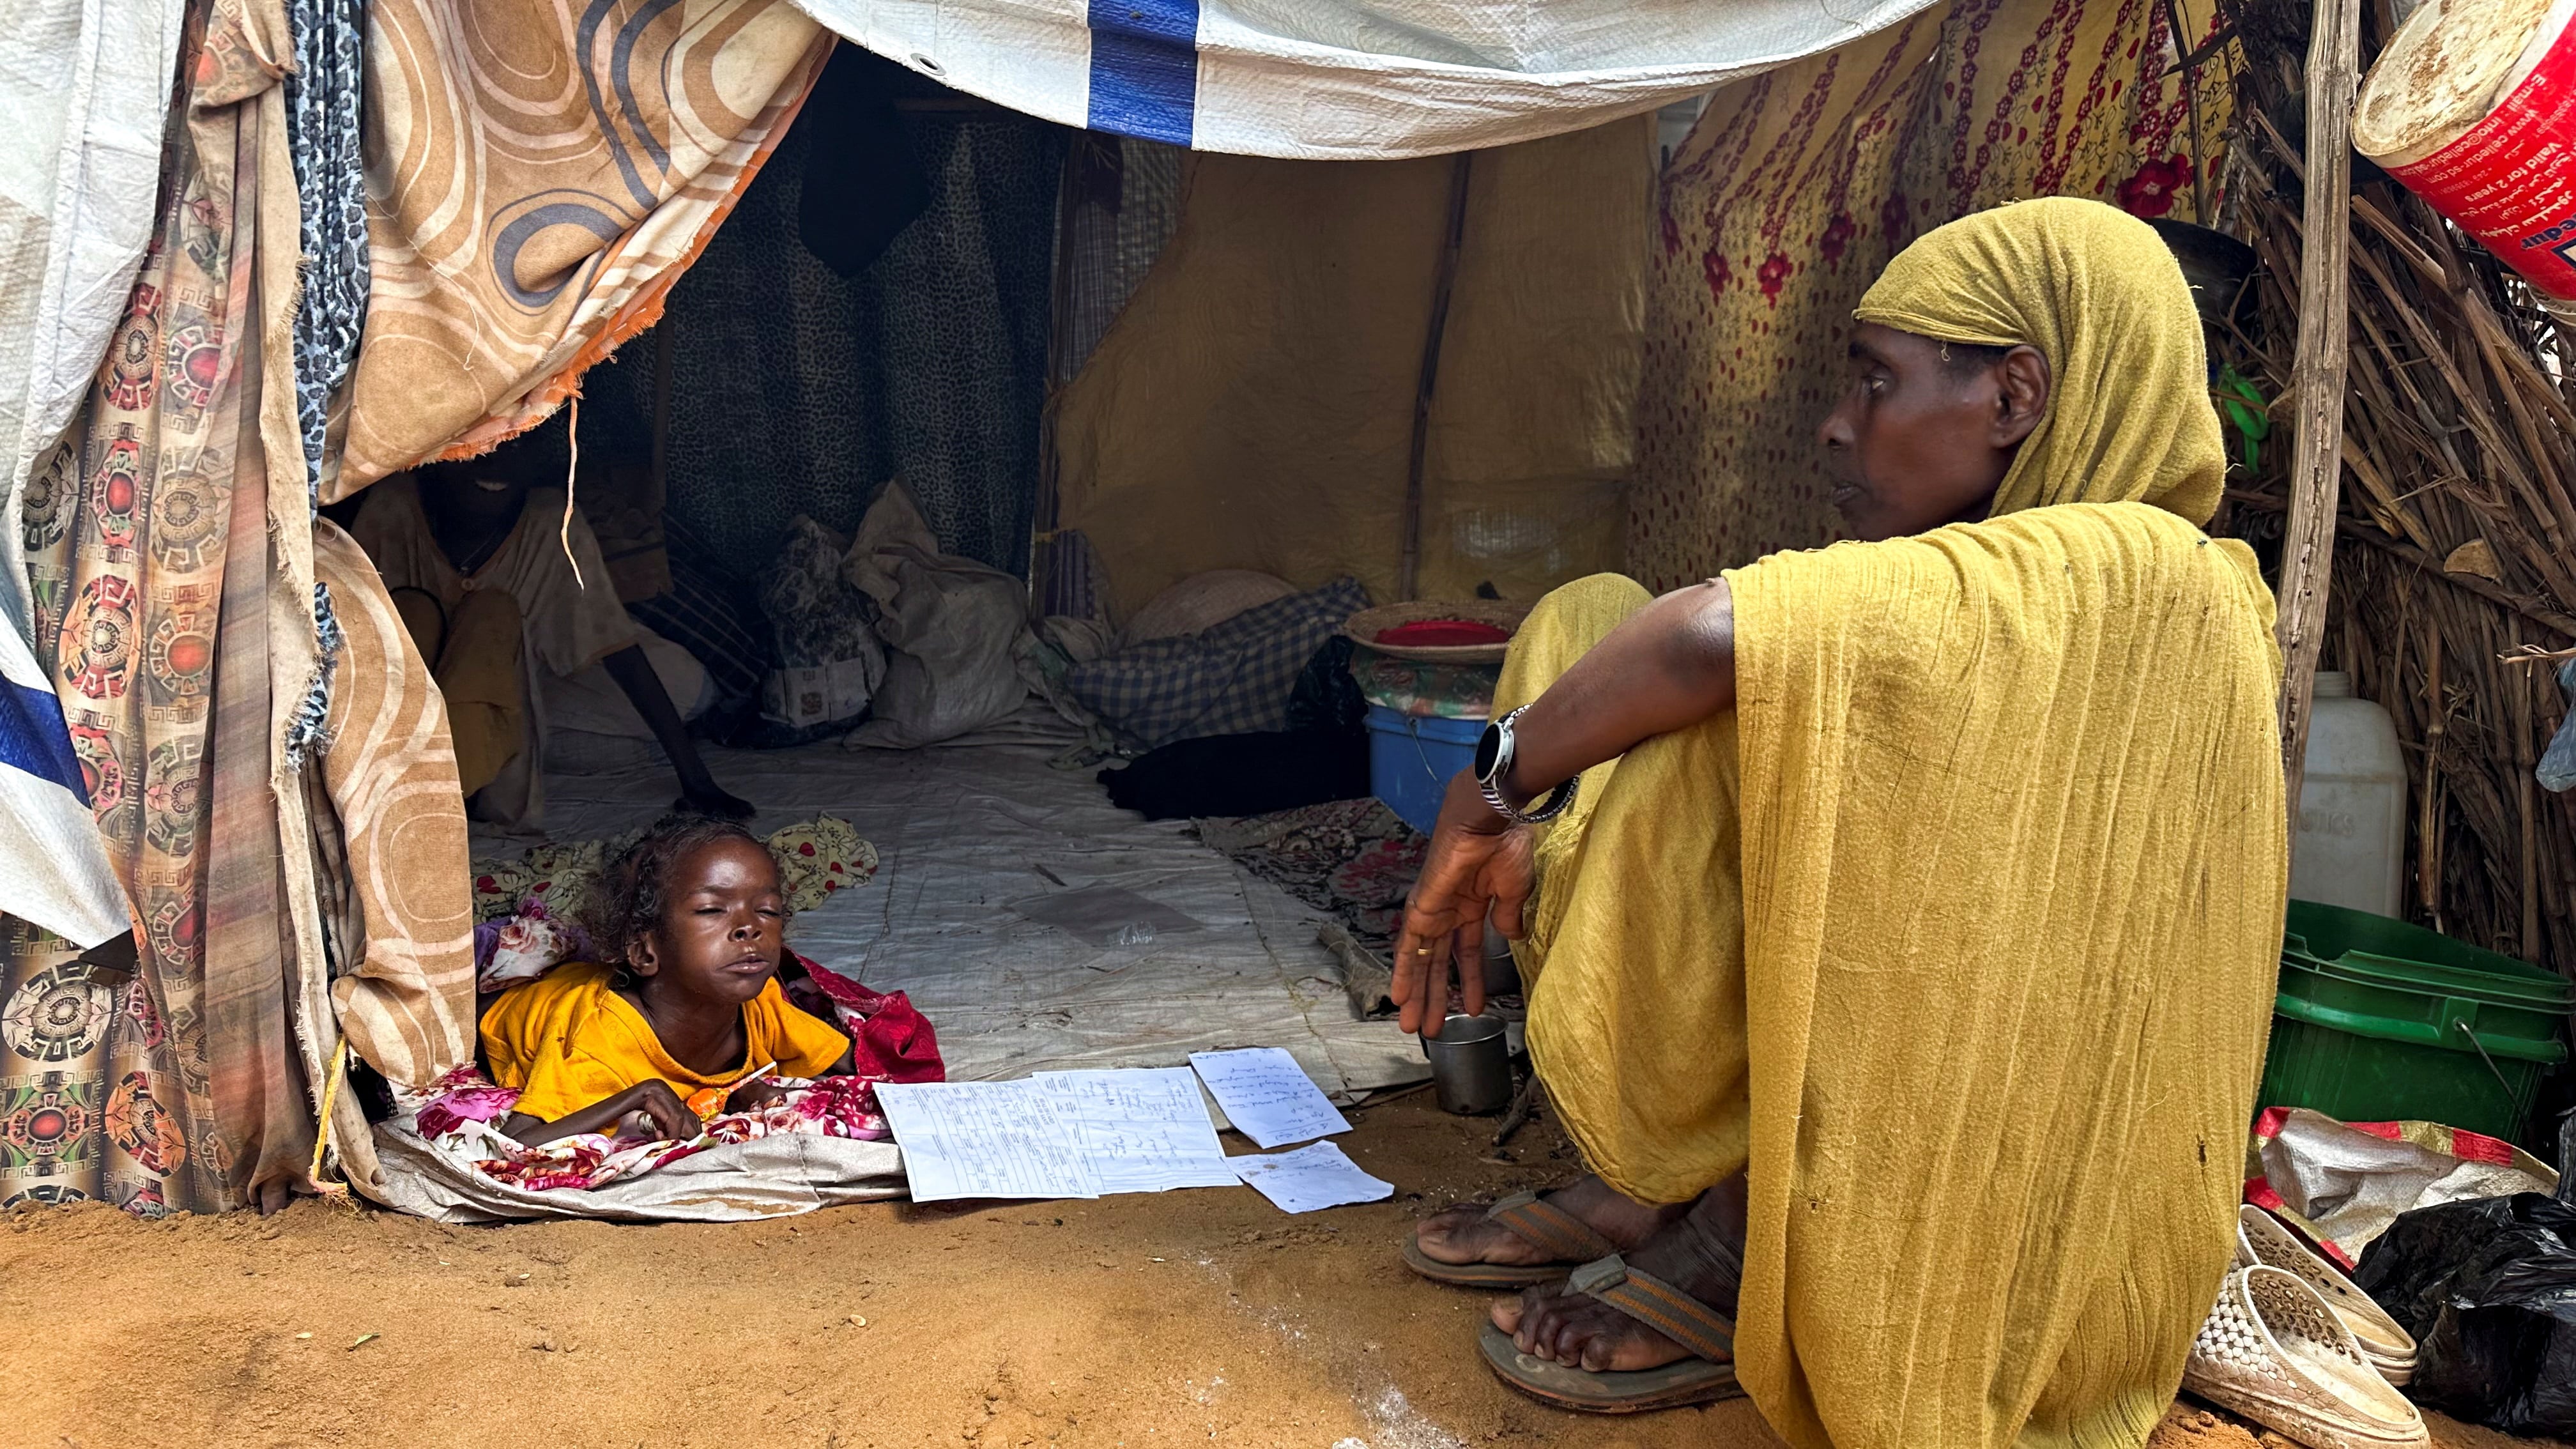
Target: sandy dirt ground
{"x": 1191, "y": 1317}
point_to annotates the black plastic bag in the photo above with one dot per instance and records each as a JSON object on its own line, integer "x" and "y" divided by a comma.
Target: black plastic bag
{"x": 2488, "y": 1288}
{"x": 1242, "y": 774}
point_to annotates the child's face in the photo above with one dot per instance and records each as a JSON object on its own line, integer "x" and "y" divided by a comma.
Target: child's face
{"x": 722, "y": 931}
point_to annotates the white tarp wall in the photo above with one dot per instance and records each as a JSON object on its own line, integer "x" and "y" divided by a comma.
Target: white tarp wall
{"x": 84, "y": 88}
{"x": 1346, "y": 79}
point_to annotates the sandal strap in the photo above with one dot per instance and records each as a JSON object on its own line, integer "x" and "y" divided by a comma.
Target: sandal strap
{"x": 1554, "y": 1231}
{"x": 1659, "y": 1305}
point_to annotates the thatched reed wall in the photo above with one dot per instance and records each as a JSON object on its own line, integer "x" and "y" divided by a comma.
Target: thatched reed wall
{"x": 2456, "y": 546}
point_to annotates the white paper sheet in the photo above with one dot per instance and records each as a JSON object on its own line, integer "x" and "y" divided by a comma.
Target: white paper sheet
{"x": 1141, "y": 1130}
{"x": 984, "y": 1139}
{"x": 1267, "y": 1096}
{"x": 1314, "y": 1177}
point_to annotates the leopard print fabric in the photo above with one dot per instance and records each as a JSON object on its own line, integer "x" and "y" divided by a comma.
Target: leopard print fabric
{"x": 796, "y": 392}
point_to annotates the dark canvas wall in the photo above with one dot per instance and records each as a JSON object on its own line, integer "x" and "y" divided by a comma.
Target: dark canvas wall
{"x": 796, "y": 389}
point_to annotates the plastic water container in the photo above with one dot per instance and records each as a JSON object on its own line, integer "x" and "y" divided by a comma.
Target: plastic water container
{"x": 1411, "y": 760}
{"x": 2351, "y": 848}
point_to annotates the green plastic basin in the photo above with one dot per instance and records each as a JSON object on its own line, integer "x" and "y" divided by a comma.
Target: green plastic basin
{"x": 2378, "y": 1020}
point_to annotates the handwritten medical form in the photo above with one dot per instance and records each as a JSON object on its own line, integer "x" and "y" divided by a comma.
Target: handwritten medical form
{"x": 1090, "y": 1133}
{"x": 1267, "y": 1096}
{"x": 984, "y": 1139}
{"x": 1142, "y": 1130}
{"x": 1057, "y": 1134}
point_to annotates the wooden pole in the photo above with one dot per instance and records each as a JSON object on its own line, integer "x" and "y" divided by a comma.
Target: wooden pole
{"x": 2526, "y": 798}
{"x": 2428, "y": 828}
{"x": 1444, "y": 280}
{"x": 2191, "y": 106}
{"x": 2317, "y": 373}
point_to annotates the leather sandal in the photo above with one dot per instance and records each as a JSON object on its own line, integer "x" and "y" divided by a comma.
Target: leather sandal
{"x": 1653, "y": 1302}
{"x": 1568, "y": 1241}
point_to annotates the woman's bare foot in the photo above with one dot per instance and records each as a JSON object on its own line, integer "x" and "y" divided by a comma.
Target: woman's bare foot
{"x": 1700, "y": 1252}
{"x": 1464, "y": 1235}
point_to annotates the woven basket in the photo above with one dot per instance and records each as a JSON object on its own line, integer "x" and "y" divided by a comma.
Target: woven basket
{"x": 1363, "y": 628}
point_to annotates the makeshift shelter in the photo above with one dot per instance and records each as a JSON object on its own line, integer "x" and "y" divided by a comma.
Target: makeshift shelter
{"x": 241, "y": 711}
{"x": 782, "y": 272}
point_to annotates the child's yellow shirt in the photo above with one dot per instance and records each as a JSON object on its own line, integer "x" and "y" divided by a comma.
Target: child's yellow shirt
{"x": 566, "y": 1040}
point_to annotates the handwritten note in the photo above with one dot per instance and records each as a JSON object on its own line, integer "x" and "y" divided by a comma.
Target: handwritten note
{"x": 1314, "y": 1177}
{"x": 1142, "y": 1130}
{"x": 1267, "y": 1096}
{"x": 984, "y": 1139}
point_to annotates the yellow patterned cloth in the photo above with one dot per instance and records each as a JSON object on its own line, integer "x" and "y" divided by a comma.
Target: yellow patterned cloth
{"x": 1799, "y": 184}
{"x": 1959, "y": 934}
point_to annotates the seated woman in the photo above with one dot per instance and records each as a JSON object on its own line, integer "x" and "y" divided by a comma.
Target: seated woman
{"x": 1903, "y": 915}
{"x": 694, "y": 916}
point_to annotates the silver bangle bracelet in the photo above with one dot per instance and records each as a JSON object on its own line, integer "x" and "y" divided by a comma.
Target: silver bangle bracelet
{"x": 1555, "y": 804}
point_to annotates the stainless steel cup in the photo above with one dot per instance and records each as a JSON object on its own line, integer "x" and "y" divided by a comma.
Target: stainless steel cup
{"x": 1471, "y": 1067}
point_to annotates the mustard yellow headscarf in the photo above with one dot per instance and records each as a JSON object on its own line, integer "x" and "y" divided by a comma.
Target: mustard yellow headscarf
{"x": 2101, "y": 297}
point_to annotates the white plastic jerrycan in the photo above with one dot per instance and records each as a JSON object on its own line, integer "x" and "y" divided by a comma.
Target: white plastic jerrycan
{"x": 2351, "y": 847}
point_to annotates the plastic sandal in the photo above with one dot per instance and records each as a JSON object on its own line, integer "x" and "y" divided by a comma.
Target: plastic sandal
{"x": 2274, "y": 1352}
{"x": 1568, "y": 1241}
{"x": 1651, "y": 1301}
{"x": 2261, "y": 1238}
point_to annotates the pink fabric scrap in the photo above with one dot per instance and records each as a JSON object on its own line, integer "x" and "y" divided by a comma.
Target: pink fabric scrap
{"x": 832, "y": 1107}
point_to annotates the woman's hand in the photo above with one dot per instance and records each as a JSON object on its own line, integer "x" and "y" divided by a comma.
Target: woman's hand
{"x": 755, "y": 1094}
{"x": 1478, "y": 863}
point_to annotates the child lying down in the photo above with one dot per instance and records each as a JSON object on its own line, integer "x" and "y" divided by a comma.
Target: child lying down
{"x": 683, "y": 1020}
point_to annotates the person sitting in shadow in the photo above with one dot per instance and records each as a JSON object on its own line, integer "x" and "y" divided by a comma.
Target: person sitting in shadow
{"x": 496, "y": 576}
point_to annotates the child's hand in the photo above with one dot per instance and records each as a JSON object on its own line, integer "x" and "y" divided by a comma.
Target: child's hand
{"x": 755, "y": 1094}
{"x": 671, "y": 1117}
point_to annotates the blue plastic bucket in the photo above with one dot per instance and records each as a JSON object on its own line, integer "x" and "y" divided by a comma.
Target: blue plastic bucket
{"x": 1411, "y": 760}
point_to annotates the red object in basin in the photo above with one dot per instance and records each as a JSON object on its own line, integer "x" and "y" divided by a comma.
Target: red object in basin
{"x": 1443, "y": 634}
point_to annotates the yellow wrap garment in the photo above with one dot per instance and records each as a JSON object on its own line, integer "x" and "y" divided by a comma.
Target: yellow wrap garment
{"x": 1959, "y": 935}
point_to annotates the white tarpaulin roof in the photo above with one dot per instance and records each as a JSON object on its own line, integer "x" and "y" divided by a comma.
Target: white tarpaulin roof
{"x": 1346, "y": 79}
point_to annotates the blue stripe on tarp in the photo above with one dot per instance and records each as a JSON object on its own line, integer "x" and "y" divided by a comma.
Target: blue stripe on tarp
{"x": 1145, "y": 68}
{"x": 32, "y": 737}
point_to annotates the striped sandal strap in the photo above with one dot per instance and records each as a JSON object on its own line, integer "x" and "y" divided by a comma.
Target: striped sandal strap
{"x": 1658, "y": 1305}
{"x": 1551, "y": 1229}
